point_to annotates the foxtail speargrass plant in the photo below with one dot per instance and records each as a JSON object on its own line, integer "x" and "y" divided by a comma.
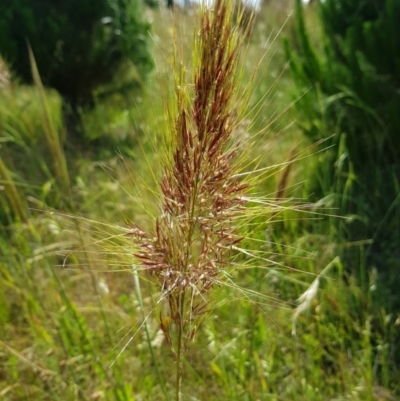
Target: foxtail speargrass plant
{"x": 202, "y": 192}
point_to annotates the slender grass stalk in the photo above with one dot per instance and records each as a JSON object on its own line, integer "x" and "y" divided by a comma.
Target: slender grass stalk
{"x": 15, "y": 200}
{"x": 60, "y": 164}
{"x": 153, "y": 357}
{"x": 201, "y": 194}
{"x": 5, "y": 76}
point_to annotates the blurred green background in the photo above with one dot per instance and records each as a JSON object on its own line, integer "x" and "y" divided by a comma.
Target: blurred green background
{"x": 83, "y": 95}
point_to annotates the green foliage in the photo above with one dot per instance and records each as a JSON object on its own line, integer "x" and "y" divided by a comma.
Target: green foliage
{"x": 354, "y": 76}
{"x": 78, "y": 45}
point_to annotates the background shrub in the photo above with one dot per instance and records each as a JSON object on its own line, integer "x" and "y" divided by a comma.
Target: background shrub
{"x": 78, "y": 44}
{"x": 354, "y": 76}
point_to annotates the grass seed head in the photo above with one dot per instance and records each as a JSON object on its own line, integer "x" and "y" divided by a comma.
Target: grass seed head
{"x": 201, "y": 194}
